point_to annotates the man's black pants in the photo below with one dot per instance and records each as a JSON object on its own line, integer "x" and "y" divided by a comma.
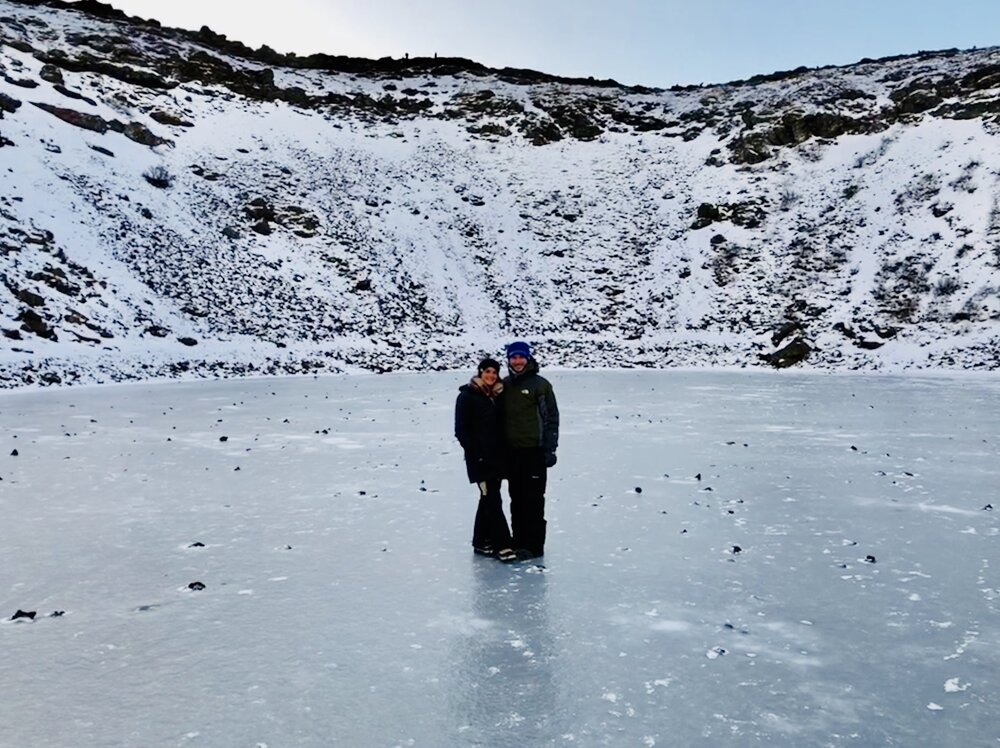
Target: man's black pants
{"x": 526, "y": 479}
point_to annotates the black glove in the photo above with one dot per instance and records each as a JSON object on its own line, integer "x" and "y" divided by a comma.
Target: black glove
{"x": 550, "y": 459}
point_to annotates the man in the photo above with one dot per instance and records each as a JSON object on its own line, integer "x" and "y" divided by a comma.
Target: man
{"x": 531, "y": 429}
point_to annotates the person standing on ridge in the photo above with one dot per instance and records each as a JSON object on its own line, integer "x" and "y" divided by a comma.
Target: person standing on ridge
{"x": 479, "y": 429}
{"x": 531, "y": 431}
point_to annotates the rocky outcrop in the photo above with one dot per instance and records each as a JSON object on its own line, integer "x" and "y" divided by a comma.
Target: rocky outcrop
{"x": 92, "y": 122}
{"x": 8, "y": 104}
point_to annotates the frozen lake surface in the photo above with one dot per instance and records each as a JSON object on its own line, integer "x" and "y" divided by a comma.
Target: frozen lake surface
{"x": 831, "y": 579}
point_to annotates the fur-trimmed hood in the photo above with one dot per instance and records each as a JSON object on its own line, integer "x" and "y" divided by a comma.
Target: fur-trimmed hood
{"x": 478, "y": 385}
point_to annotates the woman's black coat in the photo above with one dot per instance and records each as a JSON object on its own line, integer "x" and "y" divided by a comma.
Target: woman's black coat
{"x": 479, "y": 429}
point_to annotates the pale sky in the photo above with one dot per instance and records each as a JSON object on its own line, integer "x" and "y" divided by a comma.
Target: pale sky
{"x": 633, "y": 41}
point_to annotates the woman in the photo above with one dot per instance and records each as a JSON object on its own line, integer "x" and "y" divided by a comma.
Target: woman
{"x": 478, "y": 427}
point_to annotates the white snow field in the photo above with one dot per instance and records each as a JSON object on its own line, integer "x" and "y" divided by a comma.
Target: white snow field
{"x": 342, "y": 605}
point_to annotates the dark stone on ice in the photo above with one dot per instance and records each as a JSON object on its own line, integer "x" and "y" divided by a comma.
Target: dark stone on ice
{"x": 223, "y": 438}
{"x": 197, "y": 544}
{"x": 57, "y": 614}
{"x": 638, "y": 489}
{"x": 196, "y": 586}
{"x": 988, "y": 508}
{"x": 869, "y": 559}
{"x": 29, "y": 614}
{"x": 187, "y": 341}
{"x": 737, "y": 549}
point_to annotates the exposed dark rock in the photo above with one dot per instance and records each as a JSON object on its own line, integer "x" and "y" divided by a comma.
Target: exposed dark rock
{"x": 794, "y": 353}
{"x": 92, "y": 122}
{"x": 56, "y": 278}
{"x": 259, "y": 209}
{"x": 187, "y": 341}
{"x": 746, "y": 214}
{"x": 750, "y": 149}
{"x": 963, "y": 110}
{"x": 21, "y": 82}
{"x": 88, "y": 63}
{"x": 28, "y": 614}
{"x": 157, "y": 331}
{"x": 8, "y": 104}
{"x": 490, "y": 129}
{"x": 982, "y": 78}
{"x": 795, "y": 128}
{"x": 914, "y": 101}
{"x": 540, "y": 131}
{"x": 169, "y": 118}
{"x": 20, "y": 46}
{"x": 51, "y": 74}
{"x": 141, "y": 134}
{"x": 575, "y": 121}
{"x": 707, "y": 214}
{"x": 30, "y": 298}
{"x": 844, "y": 330}
{"x": 638, "y": 122}
{"x": 33, "y": 323}
{"x": 868, "y": 345}
{"x": 69, "y": 94}
{"x": 779, "y": 335}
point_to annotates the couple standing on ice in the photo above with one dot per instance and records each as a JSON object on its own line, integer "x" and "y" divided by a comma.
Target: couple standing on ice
{"x": 509, "y": 430}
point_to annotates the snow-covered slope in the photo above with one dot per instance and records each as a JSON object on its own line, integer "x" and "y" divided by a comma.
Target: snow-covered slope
{"x": 325, "y": 214}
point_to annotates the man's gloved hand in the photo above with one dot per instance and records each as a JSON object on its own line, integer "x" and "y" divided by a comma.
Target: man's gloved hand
{"x": 550, "y": 459}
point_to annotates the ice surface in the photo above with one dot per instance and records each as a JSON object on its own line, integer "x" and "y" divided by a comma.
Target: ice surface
{"x": 343, "y": 606}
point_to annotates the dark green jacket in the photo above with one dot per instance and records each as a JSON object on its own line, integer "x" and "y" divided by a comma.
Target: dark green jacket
{"x": 530, "y": 413}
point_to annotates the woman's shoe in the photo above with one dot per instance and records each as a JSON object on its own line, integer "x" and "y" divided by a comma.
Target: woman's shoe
{"x": 484, "y": 550}
{"x": 507, "y": 555}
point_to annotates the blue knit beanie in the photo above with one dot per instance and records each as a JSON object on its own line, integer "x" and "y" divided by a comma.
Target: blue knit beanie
{"x": 518, "y": 348}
